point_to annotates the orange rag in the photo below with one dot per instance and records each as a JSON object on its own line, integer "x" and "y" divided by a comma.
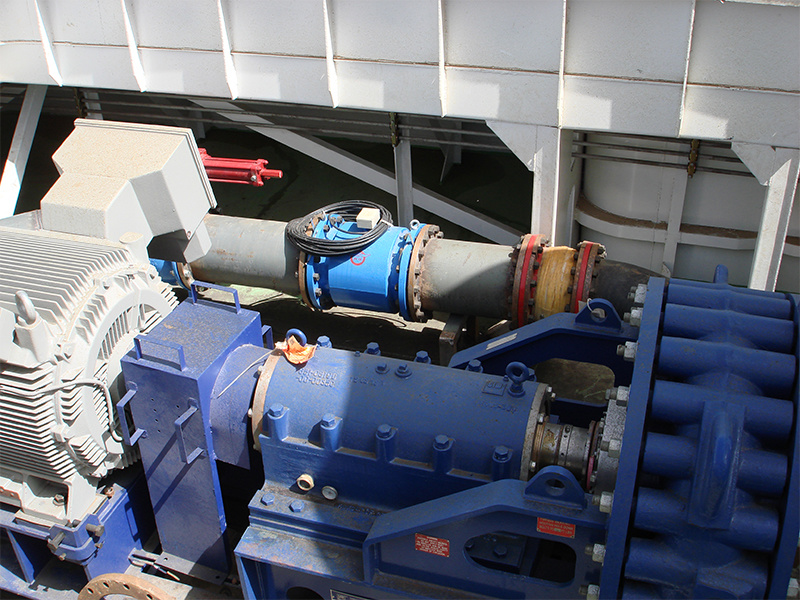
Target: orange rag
{"x": 296, "y": 353}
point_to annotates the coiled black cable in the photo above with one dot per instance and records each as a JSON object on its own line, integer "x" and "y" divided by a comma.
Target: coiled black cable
{"x": 299, "y": 231}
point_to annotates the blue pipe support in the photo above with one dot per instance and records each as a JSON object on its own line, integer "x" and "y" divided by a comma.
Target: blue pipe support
{"x": 373, "y": 279}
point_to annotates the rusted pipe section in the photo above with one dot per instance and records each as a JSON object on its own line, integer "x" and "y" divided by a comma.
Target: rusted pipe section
{"x": 466, "y": 278}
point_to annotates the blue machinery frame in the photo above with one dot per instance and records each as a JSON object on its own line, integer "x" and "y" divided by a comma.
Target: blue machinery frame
{"x": 417, "y": 468}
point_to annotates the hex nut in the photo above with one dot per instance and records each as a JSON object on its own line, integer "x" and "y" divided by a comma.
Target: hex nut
{"x": 501, "y": 453}
{"x": 606, "y": 502}
{"x": 614, "y": 448}
{"x": 593, "y": 592}
{"x": 598, "y": 553}
{"x": 623, "y": 395}
{"x": 441, "y": 442}
{"x": 628, "y": 351}
{"x": 640, "y": 294}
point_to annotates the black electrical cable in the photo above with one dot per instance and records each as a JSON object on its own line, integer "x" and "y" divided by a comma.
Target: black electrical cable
{"x": 299, "y": 231}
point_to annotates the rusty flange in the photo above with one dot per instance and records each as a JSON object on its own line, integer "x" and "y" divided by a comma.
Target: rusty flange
{"x": 256, "y": 411}
{"x": 121, "y": 584}
{"x": 528, "y": 259}
{"x": 413, "y": 296}
{"x": 587, "y": 257}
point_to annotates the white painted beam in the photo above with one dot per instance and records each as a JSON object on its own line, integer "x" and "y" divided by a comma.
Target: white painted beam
{"x": 540, "y": 149}
{"x": 369, "y": 173}
{"x": 47, "y": 46}
{"x": 442, "y": 59}
{"x": 678, "y": 180}
{"x": 230, "y": 70}
{"x": 17, "y": 160}
{"x": 133, "y": 48}
{"x": 778, "y": 169}
{"x": 330, "y": 64}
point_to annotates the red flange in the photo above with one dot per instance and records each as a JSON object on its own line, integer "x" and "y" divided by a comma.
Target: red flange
{"x": 589, "y": 254}
{"x": 526, "y": 274}
{"x": 238, "y": 170}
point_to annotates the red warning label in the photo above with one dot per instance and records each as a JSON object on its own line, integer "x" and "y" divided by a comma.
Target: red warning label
{"x": 432, "y": 545}
{"x": 558, "y": 528}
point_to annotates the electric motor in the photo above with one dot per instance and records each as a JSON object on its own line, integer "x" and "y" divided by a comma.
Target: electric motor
{"x": 69, "y": 309}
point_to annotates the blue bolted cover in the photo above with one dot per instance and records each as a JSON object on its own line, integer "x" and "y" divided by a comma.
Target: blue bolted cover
{"x": 100, "y": 543}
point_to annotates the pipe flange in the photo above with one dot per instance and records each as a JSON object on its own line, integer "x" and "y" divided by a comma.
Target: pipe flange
{"x": 184, "y": 273}
{"x": 528, "y": 260}
{"x": 302, "y": 261}
{"x": 512, "y": 275}
{"x": 301, "y": 279}
{"x": 413, "y": 296}
{"x": 594, "y": 448}
{"x": 587, "y": 258}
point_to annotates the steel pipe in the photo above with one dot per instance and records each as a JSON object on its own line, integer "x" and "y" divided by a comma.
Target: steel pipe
{"x": 466, "y": 278}
{"x": 426, "y": 273}
{"x": 249, "y": 252}
{"x": 455, "y": 277}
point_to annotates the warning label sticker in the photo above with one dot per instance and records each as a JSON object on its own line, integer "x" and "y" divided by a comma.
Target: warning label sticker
{"x": 336, "y": 595}
{"x": 432, "y": 545}
{"x": 558, "y": 528}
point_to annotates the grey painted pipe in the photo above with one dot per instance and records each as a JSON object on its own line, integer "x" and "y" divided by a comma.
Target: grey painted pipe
{"x": 457, "y": 277}
{"x": 249, "y": 252}
{"x": 466, "y": 278}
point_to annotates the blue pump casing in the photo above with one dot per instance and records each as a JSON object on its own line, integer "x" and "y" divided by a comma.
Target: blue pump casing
{"x": 392, "y": 421}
